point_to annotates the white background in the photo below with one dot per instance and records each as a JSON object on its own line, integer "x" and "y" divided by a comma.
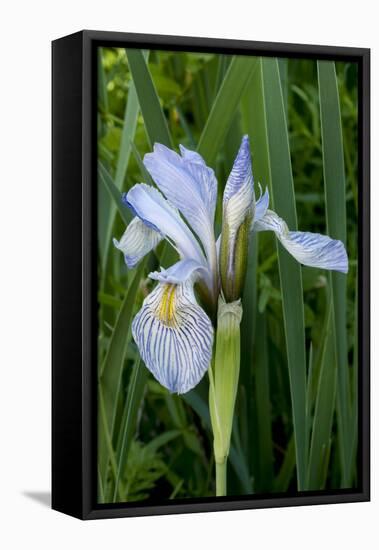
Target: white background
{"x": 26, "y": 31}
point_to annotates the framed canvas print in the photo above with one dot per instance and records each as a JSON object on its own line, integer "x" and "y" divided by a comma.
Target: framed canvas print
{"x": 210, "y": 275}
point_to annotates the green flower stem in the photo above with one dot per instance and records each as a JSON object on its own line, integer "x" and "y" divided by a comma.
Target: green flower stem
{"x": 221, "y": 478}
{"x": 223, "y": 377}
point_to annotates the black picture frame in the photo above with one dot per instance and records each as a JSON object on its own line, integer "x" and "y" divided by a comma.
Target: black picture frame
{"x": 74, "y": 273}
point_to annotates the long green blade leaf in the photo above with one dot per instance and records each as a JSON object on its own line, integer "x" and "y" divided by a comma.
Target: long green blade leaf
{"x": 225, "y": 105}
{"x": 262, "y": 397}
{"x": 285, "y": 474}
{"x": 129, "y": 421}
{"x": 107, "y": 181}
{"x": 128, "y": 132}
{"x": 153, "y": 116}
{"x": 324, "y": 410}
{"x": 283, "y": 202}
{"x": 253, "y": 124}
{"x": 111, "y": 370}
{"x": 335, "y": 200}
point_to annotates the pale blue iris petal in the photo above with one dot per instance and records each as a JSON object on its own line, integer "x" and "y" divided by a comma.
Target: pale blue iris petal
{"x": 261, "y": 206}
{"x": 157, "y": 213}
{"x": 177, "y": 352}
{"x": 191, "y": 156}
{"x": 204, "y": 177}
{"x": 189, "y": 185}
{"x": 180, "y": 272}
{"x": 137, "y": 241}
{"x": 238, "y": 200}
{"x": 311, "y": 249}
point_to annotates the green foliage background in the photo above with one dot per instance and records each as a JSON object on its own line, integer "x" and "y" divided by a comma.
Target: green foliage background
{"x": 296, "y": 413}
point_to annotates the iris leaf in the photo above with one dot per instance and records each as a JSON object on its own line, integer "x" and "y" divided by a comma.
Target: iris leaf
{"x": 107, "y": 181}
{"x": 129, "y": 420}
{"x": 153, "y": 116}
{"x": 127, "y": 136}
{"x": 112, "y": 367}
{"x": 324, "y": 410}
{"x": 335, "y": 202}
{"x": 273, "y": 132}
{"x": 225, "y": 105}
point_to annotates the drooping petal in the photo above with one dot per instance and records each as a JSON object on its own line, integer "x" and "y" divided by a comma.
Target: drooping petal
{"x": 311, "y": 249}
{"x": 180, "y": 272}
{"x": 189, "y": 185}
{"x": 137, "y": 241}
{"x": 174, "y": 336}
{"x": 157, "y": 213}
{"x": 238, "y": 199}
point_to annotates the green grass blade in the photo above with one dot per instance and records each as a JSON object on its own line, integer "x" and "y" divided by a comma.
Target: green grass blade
{"x": 351, "y": 463}
{"x": 225, "y": 105}
{"x": 309, "y": 397}
{"x": 146, "y": 178}
{"x": 107, "y": 435}
{"x": 163, "y": 439}
{"x": 127, "y": 136}
{"x": 248, "y": 339}
{"x": 222, "y": 66}
{"x": 283, "y": 202}
{"x": 129, "y": 420}
{"x": 283, "y": 479}
{"x": 262, "y": 397}
{"x": 111, "y": 370}
{"x": 106, "y": 179}
{"x": 283, "y": 71}
{"x": 324, "y": 410}
{"x": 153, "y": 116}
{"x": 334, "y": 177}
{"x": 253, "y": 124}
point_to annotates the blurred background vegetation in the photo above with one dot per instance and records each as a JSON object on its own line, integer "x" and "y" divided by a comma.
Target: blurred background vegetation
{"x": 159, "y": 446}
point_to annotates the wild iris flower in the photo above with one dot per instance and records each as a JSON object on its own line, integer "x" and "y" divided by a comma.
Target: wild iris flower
{"x": 173, "y": 332}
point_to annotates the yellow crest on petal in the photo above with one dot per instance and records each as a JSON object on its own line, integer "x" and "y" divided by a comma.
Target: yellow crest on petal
{"x": 166, "y": 308}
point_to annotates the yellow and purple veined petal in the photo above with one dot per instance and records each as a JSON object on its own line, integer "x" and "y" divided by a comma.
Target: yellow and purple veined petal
{"x": 173, "y": 333}
{"x": 311, "y": 249}
{"x": 238, "y": 212}
{"x": 191, "y": 186}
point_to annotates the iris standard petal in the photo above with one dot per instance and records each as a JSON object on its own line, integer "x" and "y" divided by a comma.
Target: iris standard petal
{"x": 180, "y": 272}
{"x": 137, "y": 241}
{"x": 174, "y": 336}
{"x": 189, "y": 185}
{"x": 203, "y": 176}
{"x": 238, "y": 200}
{"x": 311, "y": 249}
{"x": 158, "y": 214}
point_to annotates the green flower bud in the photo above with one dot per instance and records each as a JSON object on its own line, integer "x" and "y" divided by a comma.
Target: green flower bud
{"x": 233, "y": 259}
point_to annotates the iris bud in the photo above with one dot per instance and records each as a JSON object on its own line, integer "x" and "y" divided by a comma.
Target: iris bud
{"x": 238, "y": 211}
